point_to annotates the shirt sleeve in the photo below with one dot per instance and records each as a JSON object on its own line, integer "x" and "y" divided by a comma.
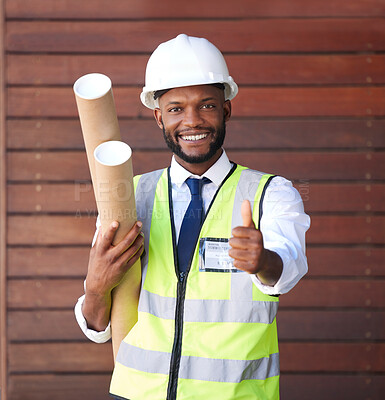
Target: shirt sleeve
{"x": 283, "y": 226}
{"x": 95, "y": 336}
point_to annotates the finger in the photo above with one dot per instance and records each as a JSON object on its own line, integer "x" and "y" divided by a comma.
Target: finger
{"x": 239, "y": 255}
{"x": 244, "y": 266}
{"x": 132, "y": 252}
{"x": 247, "y": 215}
{"x": 239, "y": 243}
{"x": 247, "y": 233}
{"x": 129, "y": 239}
{"x": 108, "y": 236}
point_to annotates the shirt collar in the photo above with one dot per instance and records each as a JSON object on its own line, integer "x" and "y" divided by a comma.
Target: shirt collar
{"x": 216, "y": 173}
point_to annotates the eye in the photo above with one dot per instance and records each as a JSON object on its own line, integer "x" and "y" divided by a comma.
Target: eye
{"x": 208, "y": 106}
{"x": 175, "y": 109}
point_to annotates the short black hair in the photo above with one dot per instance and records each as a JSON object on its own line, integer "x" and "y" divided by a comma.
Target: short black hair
{"x": 160, "y": 93}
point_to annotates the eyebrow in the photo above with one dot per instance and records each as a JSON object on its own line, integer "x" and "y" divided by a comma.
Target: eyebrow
{"x": 180, "y": 102}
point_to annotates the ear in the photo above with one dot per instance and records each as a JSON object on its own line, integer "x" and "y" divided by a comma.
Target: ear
{"x": 158, "y": 117}
{"x": 227, "y": 110}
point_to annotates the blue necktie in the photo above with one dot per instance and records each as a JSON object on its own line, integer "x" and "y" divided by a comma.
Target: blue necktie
{"x": 191, "y": 223}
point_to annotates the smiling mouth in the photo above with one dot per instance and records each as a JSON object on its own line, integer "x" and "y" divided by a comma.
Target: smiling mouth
{"x": 194, "y": 138}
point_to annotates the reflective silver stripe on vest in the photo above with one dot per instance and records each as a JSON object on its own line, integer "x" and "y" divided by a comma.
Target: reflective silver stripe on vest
{"x": 156, "y": 362}
{"x": 144, "y": 198}
{"x": 199, "y": 368}
{"x": 209, "y": 310}
{"x": 241, "y": 284}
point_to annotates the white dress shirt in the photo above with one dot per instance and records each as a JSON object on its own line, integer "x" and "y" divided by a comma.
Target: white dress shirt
{"x": 283, "y": 226}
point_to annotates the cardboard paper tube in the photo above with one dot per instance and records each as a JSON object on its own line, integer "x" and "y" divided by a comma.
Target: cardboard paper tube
{"x": 116, "y": 202}
{"x": 99, "y": 124}
{"x": 97, "y": 113}
{"x": 116, "y": 198}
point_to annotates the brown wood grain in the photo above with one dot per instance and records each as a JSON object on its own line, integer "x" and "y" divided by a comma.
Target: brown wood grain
{"x": 44, "y": 293}
{"x": 72, "y": 166}
{"x": 251, "y": 102}
{"x": 246, "y": 69}
{"x": 336, "y": 293}
{"x": 51, "y": 230}
{"x": 79, "y": 197}
{"x": 347, "y": 229}
{"x": 353, "y": 262}
{"x": 44, "y": 326}
{"x": 338, "y": 386}
{"x": 84, "y": 357}
{"x": 131, "y": 9}
{"x": 333, "y": 325}
{"x": 73, "y": 198}
{"x": 49, "y": 262}
{"x": 59, "y": 387}
{"x": 245, "y": 133}
{"x": 279, "y": 35}
{"x": 63, "y": 293}
{"x": 60, "y": 357}
{"x": 53, "y": 325}
{"x": 346, "y": 357}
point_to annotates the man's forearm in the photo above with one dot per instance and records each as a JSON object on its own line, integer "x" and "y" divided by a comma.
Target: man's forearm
{"x": 97, "y": 310}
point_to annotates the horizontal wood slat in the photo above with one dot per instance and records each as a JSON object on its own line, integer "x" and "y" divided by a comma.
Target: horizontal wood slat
{"x": 50, "y": 230}
{"x": 43, "y": 326}
{"x": 330, "y": 325}
{"x": 63, "y": 293}
{"x": 321, "y": 387}
{"x": 84, "y": 357}
{"x": 51, "y": 262}
{"x": 335, "y": 262}
{"x": 292, "y": 325}
{"x": 336, "y": 293}
{"x": 279, "y": 35}
{"x": 63, "y": 357}
{"x": 79, "y": 197}
{"x": 315, "y": 357}
{"x": 44, "y": 293}
{"x": 293, "y": 387}
{"x": 132, "y": 9}
{"x": 252, "y": 69}
{"x": 59, "y": 387}
{"x": 72, "y": 261}
{"x": 72, "y": 166}
{"x": 241, "y": 134}
{"x": 251, "y": 102}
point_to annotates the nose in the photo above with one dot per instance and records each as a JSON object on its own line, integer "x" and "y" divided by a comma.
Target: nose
{"x": 192, "y": 117}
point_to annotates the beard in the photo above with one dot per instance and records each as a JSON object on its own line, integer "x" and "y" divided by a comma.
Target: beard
{"x": 175, "y": 147}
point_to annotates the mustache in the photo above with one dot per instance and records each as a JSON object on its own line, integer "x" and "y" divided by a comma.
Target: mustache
{"x": 200, "y": 129}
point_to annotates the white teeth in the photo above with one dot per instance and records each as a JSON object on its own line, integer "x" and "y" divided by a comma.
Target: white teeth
{"x": 195, "y": 137}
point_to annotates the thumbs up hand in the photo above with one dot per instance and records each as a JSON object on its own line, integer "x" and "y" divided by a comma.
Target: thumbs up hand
{"x": 247, "y": 243}
{"x": 248, "y": 251}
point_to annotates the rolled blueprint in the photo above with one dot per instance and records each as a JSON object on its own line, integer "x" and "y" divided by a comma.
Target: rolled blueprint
{"x": 99, "y": 124}
{"x": 115, "y": 189}
{"x": 97, "y": 113}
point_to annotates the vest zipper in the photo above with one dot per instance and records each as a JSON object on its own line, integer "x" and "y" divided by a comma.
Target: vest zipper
{"x": 181, "y": 294}
{"x": 177, "y": 347}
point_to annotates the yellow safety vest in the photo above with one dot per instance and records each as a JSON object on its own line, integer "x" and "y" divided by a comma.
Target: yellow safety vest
{"x": 199, "y": 335}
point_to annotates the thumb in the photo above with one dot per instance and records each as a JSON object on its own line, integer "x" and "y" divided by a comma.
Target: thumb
{"x": 247, "y": 216}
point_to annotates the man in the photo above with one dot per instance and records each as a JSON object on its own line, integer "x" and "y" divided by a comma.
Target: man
{"x": 206, "y": 327}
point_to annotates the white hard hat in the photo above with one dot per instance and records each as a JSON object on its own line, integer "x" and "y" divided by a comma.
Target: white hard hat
{"x": 185, "y": 61}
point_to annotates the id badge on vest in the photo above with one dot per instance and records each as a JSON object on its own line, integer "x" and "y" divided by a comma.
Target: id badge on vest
{"x": 214, "y": 256}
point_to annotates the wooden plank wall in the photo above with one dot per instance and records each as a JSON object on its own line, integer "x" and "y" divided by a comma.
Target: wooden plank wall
{"x": 311, "y": 107}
